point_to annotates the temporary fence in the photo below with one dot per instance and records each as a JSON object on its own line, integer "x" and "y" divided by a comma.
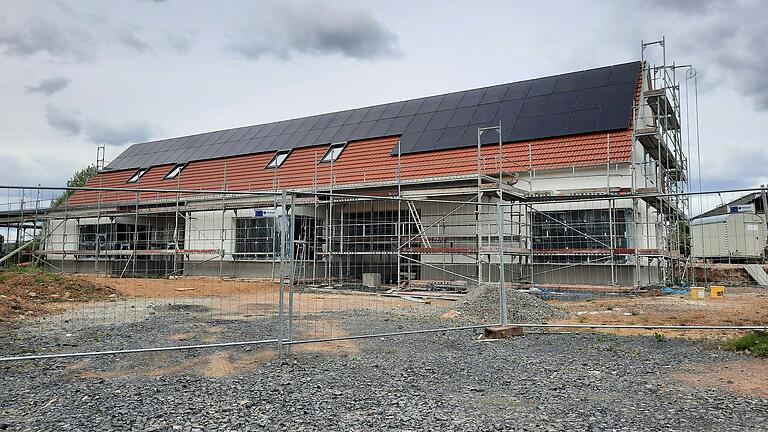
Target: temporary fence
{"x": 205, "y": 268}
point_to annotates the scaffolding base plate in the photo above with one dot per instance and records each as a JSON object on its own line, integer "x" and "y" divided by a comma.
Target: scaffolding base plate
{"x": 502, "y": 332}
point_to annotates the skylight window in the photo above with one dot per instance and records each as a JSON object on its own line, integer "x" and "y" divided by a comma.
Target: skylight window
{"x": 278, "y": 159}
{"x": 333, "y": 153}
{"x": 135, "y": 178}
{"x": 175, "y": 171}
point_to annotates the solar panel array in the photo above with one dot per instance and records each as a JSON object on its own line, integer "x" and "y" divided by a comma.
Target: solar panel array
{"x": 579, "y": 102}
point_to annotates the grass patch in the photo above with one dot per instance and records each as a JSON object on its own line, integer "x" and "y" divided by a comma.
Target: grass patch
{"x": 22, "y": 269}
{"x": 756, "y": 343}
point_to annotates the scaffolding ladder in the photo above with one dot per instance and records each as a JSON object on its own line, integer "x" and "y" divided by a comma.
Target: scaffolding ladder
{"x": 419, "y": 226}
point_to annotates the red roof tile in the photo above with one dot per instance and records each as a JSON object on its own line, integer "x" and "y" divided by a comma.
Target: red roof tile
{"x": 363, "y": 162}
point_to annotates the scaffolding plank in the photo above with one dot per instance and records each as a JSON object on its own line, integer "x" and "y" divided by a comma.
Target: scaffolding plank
{"x": 650, "y": 139}
{"x": 119, "y": 252}
{"x": 662, "y": 108}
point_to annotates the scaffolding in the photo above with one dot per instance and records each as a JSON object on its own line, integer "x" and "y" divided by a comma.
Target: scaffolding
{"x": 658, "y": 129}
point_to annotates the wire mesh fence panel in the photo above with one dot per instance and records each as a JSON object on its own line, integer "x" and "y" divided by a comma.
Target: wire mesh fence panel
{"x": 369, "y": 265}
{"x": 104, "y": 270}
{"x": 635, "y": 261}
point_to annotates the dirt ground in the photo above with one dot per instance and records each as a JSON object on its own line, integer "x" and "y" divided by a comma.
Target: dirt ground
{"x": 31, "y": 293}
{"x": 241, "y": 296}
{"x": 34, "y": 293}
{"x": 739, "y": 306}
{"x": 749, "y": 377}
{"x": 724, "y": 274}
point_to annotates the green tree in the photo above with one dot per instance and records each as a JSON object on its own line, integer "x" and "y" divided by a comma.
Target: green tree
{"x": 79, "y": 179}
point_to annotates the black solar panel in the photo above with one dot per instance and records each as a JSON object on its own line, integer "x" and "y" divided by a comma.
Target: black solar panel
{"x": 344, "y": 133}
{"x": 484, "y": 114}
{"x": 293, "y": 126}
{"x": 361, "y": 131}
{"x": 535, "y": 106}
{"x": 427, "y": 140}
{"x": 440, "y": 119}
{"x": 568, "y": 82}
{"x": 399, "y": 125}
{"x": 561, "y": 102}
{"x": 308, "y": 123}
{"x": 462, "y": 116}
{"x": 266, "y": 130}
{"x": 392, "y": 110}
{"x": 326, "y": 136}
{"x": 419, "y": 122}
{"x": 357, "y": 115}
{"x": 450, "y": 137}
{"x": 578, "y": 102}
{"x": 430, "y": 104}
{"x": 374, "y": 113}
{"x": 596, "y": 77}
{"x": 411, "y": 107}
{"x": 472, "y": 98}
{"x": 518, "y": 90}
{"x": 381, "y": 127}
{"x": 340, "y": 118}
{"x": 494, "y": 94}
{"x": 407, "y": 142}
{"x": 310, "y": 138}
{"x": 542, "y": 86}
{"x": 451, "y": 101}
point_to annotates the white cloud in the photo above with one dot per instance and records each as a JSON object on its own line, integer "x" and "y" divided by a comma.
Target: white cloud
{"x": 292, "y": 27}
{"x": 49, "y": 86}
{"x": 62, "y": 120}
{"x": 102, "y": 132}
{"x": 40, "y": 36}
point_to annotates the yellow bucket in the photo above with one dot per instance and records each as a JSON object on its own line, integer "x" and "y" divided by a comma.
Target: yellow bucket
{"x": 717, "y": 291}
{"x": 697, "y": 293}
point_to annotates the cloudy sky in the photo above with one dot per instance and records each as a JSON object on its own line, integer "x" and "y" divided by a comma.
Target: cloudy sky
{"x": 76, "y": 74}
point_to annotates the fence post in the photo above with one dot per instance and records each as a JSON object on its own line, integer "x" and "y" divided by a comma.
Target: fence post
{"x": 292, "y": 276}
{"x": 502, "y": 285}
{"x": 280, "y": 317}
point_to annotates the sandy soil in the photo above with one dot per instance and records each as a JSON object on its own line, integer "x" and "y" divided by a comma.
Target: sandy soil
{"x": 740, "y": 306}
{"x": 246, "y": 297}
{"x": 749, "y": 377}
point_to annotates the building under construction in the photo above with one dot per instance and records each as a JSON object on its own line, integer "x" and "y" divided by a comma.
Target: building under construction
{"x": 582, "y": 170}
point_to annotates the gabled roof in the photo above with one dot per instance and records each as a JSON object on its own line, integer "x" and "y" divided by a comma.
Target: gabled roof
{"x": 751, "y": 198}
{"x": 594, "y": 100}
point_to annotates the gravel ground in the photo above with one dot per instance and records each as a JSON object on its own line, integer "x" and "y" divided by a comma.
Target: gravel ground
{"x": 481, "y": 305}
{"x": 447, "y": 381}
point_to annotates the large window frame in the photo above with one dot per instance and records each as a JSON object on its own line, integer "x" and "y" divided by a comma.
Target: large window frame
{"x": 565, "y": 235}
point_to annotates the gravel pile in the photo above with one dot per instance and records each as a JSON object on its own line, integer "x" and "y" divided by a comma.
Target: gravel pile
{"x": 482, "y": 305}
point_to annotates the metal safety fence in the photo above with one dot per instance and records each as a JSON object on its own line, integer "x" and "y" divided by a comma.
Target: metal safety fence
{"x": 106, "y": 270}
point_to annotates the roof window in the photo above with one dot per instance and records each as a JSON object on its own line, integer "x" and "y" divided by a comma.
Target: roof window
{"x": 175, "y": 171}
{"x": 333, "y": 153}
{"x": 136, "y": 176}
{"x": 278, "y": 159}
